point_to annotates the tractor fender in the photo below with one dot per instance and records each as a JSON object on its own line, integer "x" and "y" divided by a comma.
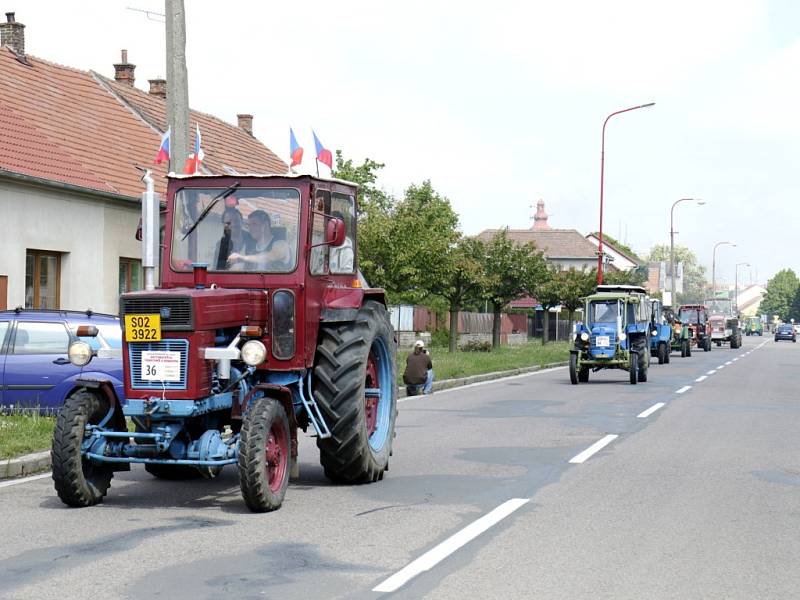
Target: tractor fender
{"x": 283, "y": 395}
{"x": 104, "y": 385}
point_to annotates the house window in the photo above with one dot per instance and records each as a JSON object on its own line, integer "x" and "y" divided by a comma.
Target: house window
{"x": 130, "y": 275}
{"x": 42, "y": 279}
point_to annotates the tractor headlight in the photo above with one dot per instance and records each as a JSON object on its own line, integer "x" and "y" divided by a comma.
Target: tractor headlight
{"x": 254, "y": 353}
{"x": 585, "y": 336}
{"x": 654, "y": 332}
{"x": 622, "y": 337}
{"x": 80, "y": 353}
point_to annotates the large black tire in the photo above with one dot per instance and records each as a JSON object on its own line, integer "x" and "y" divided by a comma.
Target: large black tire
{"x": 669, "y": 351}
{"x": 633, "y": 367}
{"x": 707, "y": 344}
{"x": 684, "y": 348}
{"x": 264, "y": 455}
{"x": 352, "y": 358}
{"x": 688, "y": 347}
{"x": 78, "y": 482}
{"x": 573, "y": 368}
{"x": 643, "y": 349}
{"x": 663, "y": 353}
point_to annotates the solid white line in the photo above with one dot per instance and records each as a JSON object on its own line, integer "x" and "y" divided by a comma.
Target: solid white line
{"x": 437, "y": 554}
{"x": 651, "y": 410}
{"x": 596, "y": 447}
{"x": 701, "y": 378}
{"x": 685, "y": 388}
{"x": 458, "y": 388}
{"x": 711, "y": 372}
{"x": 24, "y": 480}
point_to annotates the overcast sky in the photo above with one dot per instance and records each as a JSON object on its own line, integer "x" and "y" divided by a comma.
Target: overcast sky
{"x": 501, "y": 104}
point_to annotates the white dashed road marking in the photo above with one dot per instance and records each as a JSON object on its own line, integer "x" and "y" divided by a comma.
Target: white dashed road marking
{"x": 437, "y": 554}
{"x": 596, "y": 447}
{"x": 651, "y": 410}
{"x": 685, "y": 388}
{"x": 711, "y": 372}
{"x": 701, "y": 378}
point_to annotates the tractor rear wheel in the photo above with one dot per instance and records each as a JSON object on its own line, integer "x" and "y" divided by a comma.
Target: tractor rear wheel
{"x": 707, "y": 345}
{"x": 264, "y": 455}
{"x": 684, "y": 348}
{"x": 355, "y": 388}
{"x": 78, "y": 481}
{"x": 662, "y": 353}
{"x": 633, "y": 367}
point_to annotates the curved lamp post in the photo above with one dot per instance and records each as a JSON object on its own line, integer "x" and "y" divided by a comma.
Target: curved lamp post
{"x": 736, "y": 285}
{"x": 602, "y": 167}
{"x": 714, "y": 268}
{"x": 672, "y": 244}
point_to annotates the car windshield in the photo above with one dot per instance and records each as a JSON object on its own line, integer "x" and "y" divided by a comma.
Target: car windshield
{"x": 603, "y": 311}
{"x": 251, "y": 230}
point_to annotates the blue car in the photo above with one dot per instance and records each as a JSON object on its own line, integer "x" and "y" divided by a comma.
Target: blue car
{"x": 35, "y": 372}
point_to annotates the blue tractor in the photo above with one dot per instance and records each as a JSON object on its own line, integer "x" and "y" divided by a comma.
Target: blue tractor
{"x": 660, "y": 333}
{"x": 615, "y": 334}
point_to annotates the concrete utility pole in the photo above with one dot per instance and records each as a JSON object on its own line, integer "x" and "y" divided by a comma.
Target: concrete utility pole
{"x": 177, "y": 84}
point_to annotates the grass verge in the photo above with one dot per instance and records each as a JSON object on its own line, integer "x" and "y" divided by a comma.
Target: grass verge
{"x": 24, "y": 433}
{"x": 464, "y": 364}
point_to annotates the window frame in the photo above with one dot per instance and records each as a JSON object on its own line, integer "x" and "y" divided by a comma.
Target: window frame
{"x": 37, "y": 254}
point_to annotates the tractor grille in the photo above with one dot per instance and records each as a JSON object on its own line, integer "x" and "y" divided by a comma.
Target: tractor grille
{"x": 610, "y": 349}
{"x": 135, "y": 357}
{"x": 178, "y": 310}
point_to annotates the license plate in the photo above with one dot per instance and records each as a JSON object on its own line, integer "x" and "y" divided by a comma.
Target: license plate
{"x": 143, "y": 328}
{"x": 603, "y": 340}
{"x": 161, "y": 366}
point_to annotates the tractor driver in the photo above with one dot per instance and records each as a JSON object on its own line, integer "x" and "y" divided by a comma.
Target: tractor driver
{"x": 267, "y": 252}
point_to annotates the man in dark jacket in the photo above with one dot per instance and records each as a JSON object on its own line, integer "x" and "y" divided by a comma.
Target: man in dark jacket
{"x": 418, "y": 375}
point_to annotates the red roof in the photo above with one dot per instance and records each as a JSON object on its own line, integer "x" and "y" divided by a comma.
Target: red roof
{"x": 79, "y": 128}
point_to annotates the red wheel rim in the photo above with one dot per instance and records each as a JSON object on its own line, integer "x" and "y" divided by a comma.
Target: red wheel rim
{"x": 371, "y": 395}
{"x": 277, "y": 451}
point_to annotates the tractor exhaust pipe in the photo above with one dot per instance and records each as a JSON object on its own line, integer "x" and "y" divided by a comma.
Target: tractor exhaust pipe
{"x": 150, "y": 227}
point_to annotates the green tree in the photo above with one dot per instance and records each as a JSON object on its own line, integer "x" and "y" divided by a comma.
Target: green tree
{"x": 636, "y": 276}
{"x": 370, "y": 197}
{"x": 577, "y": 285}
{"x": 549, "y": 292}
{"x": 618, "y": 245}
{"x": 695, "y": 281}
{"x": 463, "y": 279}
{"x": 509, "y": 269}
{"x": 780, "y": 297}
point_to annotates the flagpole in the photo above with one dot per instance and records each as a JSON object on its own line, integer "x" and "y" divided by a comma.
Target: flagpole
{"x": 316, "y": 160}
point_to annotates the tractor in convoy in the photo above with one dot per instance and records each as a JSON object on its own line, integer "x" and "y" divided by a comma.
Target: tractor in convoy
{"x": 615, "y": 334}
{"x": 753, "y": 326}
{"x": 724, "y": 323}
{"x": 695, "y": 318}
{"x": 680, "y": 334}
{"x": 253, "y": 333}
{"x": 660, "y": 333}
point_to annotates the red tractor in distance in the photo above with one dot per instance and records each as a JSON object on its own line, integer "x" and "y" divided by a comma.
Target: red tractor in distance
{"x": 695, "y": 317}
{"x": 261, "y": 326}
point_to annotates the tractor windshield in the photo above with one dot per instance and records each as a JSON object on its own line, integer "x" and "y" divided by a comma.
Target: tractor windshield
{"x": 251, "y": 230}
{"x": 603, "y": 311}
{"x": 689, "y": 315}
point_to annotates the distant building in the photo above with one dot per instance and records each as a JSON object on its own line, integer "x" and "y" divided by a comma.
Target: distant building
{"x": 621, "y": 260}
{"x": 749, "y": 300}
{"x": 69, "y": 185}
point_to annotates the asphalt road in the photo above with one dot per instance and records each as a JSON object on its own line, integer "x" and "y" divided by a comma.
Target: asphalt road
{"x": 496, "y": 490}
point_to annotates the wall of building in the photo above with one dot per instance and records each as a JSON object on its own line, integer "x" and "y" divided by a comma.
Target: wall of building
{"x": 90, "y": 234}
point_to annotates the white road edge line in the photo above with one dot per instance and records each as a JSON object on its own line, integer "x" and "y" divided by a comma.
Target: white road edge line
{"x": 651, "y": 410}
{"x": 437, "y": 554}
{"x": 464, "y": 387}
{"x": 711, "y": 372}
{"x": 701, "y": 378}
{"x": 596, "y": 447}
{"x": 685, "y": 388}
{"x": 24, "y": 480}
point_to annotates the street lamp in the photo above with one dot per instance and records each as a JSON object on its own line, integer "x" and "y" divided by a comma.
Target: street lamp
{"x": 672, "y": 243}
{"x": 602, "y": 167}
{"x": 714, "y": 268}
{"x": 736, "y": 285}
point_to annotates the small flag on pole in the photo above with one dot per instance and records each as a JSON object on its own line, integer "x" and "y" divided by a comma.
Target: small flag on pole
{"x": 323, "y": 154}
{"x": 295, "y": 151}
{"x": 192, "y": 166}
{"x": 163, "y": 151}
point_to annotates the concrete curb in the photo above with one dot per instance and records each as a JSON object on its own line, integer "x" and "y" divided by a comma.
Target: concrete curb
{"x": 22, "y": 466}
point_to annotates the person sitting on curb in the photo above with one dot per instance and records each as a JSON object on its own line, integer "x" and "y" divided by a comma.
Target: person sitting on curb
{"x": 418, "y": 375}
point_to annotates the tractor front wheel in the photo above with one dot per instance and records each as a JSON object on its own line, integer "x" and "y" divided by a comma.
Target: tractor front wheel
{"x": 633, "y": 367}
{"x": 573, "y": 368}
{"x": 662, "y": 353}
{"x": 264, "y": 454}
{"x": 356, "y": 390}
{"x": 78, "y": 481}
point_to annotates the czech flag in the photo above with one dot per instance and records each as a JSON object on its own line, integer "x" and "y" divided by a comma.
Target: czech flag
{"x": 323, "y": 154}
{"x": 295, "y": 151}
{"x": 192, "y": 166}
{"x": 163, "y": 151}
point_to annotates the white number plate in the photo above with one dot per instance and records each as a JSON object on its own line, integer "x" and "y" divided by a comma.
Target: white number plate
{"x": 161, "y": 366}
{"x": 603, "y": 340}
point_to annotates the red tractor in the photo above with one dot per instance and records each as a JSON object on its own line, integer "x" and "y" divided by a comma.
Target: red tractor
{"x": 261, "y": 326}
{"x": 695, "y": 317}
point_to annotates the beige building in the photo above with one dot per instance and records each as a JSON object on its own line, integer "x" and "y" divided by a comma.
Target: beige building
{"x": 70, "y": 189}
